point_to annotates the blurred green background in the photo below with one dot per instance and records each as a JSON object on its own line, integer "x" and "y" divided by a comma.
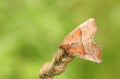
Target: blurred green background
{"x": 31, "y": 30}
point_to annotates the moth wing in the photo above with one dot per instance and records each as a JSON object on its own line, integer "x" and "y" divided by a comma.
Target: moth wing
{"x": 93, "y": 52}
{"x": 73, "y": 43}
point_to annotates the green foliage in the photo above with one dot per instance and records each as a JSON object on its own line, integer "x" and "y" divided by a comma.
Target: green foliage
{"x": 31, "y": 30}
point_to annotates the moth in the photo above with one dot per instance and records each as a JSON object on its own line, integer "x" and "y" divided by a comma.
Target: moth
{"x": 80, "y": 42}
